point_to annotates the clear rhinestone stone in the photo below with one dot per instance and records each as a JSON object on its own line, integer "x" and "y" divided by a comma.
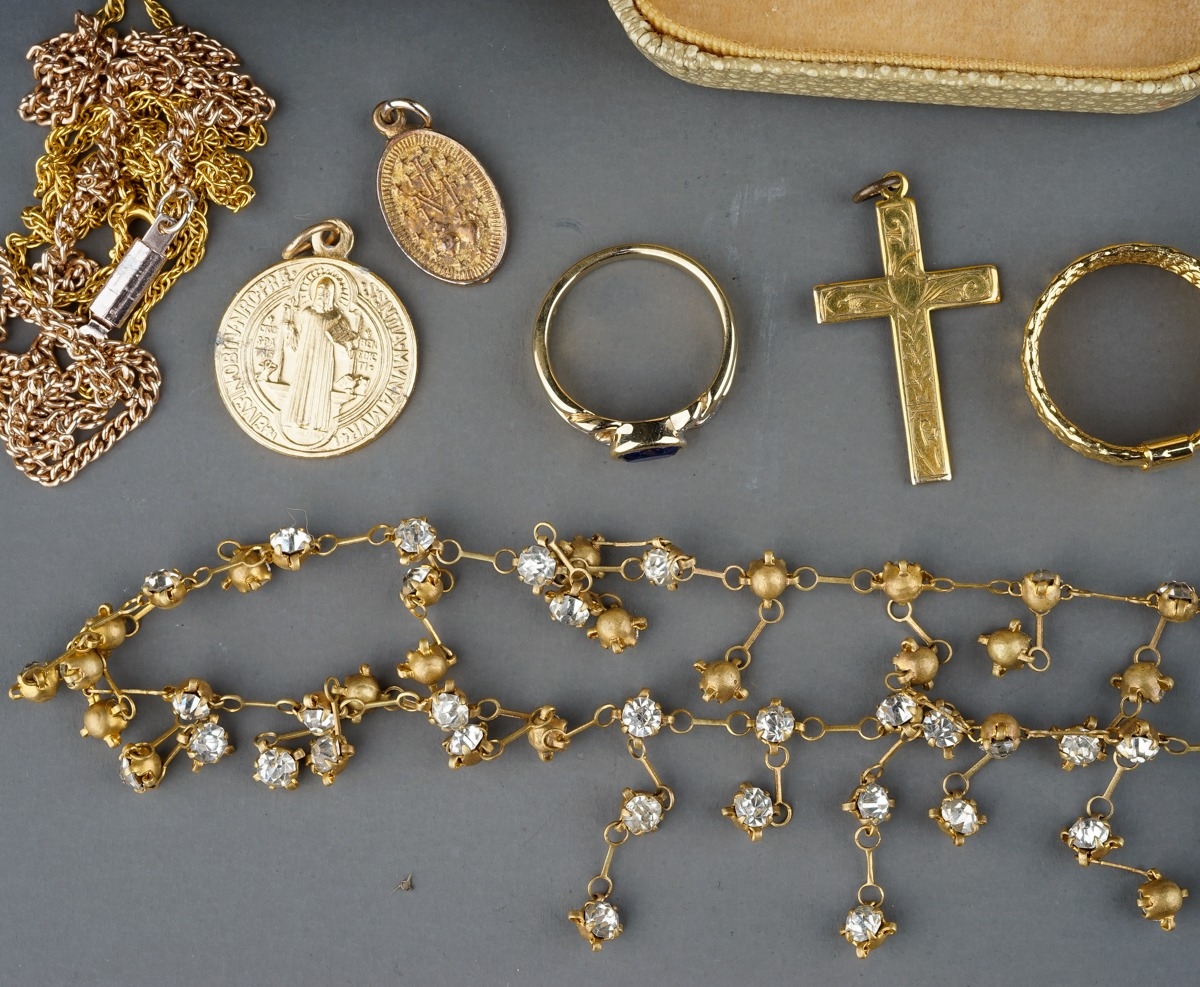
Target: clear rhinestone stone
{"x": 658, "y": 567}
{"x": 774, "y": 724}
{"x": 1137, "y": 749}
{"x": 898, "y": 709}
{"x": 1079, "y": 750}
{"x": 466, "y": 740}
{"x": 449, "y": 711}
{"x": 601, "y": 919}
{"x": 1043, "y": 576}
{"x": 415, "y": 577}
{"x": 128, "y": 776}
{"x": 209, "y": 743}
{"x": 275, "y": 767}
{"x": 642, "y": 814}
{"x": 753, "y": 807}
{"x": 326, "y": 752}
{"x": 1088, "y": 833}
{"x": 863, "y": 923}
{"x": 290, "y": 541}
{"x": 568, "y": 609}
{"x": 536, "y": 566}
{"x": 317, "y": 720}
{"x": 190, "y": 707}
{"x": 415, "y": 535}
{"x": 162, "y": 581}
{"x": 999, "y": 748}
{"x": 873, "y": 802}
{"x": 641, "y": 717}
{"x": 1177, "y": 591}
{"x": 940, "y": 730}
{"x": 960, "y": 815}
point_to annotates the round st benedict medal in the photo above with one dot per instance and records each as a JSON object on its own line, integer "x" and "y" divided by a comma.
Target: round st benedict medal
{"x": 316, "y": 356}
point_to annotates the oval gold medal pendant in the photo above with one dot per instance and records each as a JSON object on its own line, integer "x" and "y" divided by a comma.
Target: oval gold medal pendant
{"x": 441, "y": 206}
{"x": 316, "y": 356}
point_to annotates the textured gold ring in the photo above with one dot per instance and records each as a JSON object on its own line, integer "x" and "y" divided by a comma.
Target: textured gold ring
{"x": 1144, "y": 455}
{"x": 651, "y": 438}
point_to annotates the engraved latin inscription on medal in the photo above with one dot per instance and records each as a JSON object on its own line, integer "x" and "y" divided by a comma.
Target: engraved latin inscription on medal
{"x": 315, "y": 357}
{"x": 441, "y": 206}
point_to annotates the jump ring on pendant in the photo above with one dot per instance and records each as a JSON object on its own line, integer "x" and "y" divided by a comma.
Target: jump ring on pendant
{"x": 390, "y": 116}
{"x": 892, "y": 185}
{"x": 329, "y": 238}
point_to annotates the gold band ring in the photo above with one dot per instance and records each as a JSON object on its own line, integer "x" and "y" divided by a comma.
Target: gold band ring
{"x": 1144, "y": 455}
{"x": 650, "y": 438}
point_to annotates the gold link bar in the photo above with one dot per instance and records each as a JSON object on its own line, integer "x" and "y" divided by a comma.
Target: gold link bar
{"x": 608, "y": 859}
{"x": 749, "y": 642}
{"x": 1125, "y": 867}
{"x": 974, "y": 768}
{"x": 515, "y": 735}
{"x": 1112, "y": 785}
{"x": 1145, "y": 601}
{"x": 654, "y": 776}
{"x": 477, "y": 556}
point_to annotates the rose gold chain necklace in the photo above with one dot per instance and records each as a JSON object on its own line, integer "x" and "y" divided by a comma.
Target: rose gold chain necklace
{"x": 144, "y": 127}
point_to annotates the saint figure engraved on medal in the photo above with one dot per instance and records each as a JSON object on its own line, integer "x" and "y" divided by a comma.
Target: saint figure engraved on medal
{"x": 442, "y": 208}
{"x": 316, "y": 356}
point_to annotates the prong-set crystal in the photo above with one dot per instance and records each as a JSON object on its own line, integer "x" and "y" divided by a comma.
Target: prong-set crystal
{"x": 319, "y": 730}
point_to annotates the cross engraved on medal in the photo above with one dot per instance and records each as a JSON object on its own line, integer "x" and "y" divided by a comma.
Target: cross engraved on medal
{"x": 316, "y": 356}
{"x": 906, "y": 294}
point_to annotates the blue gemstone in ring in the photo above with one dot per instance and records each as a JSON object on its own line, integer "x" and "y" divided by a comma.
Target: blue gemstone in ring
{"x": 639, "y": 455}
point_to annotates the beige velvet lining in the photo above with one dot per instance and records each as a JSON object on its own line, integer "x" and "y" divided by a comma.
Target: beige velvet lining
{"x": 1139, "y": 40}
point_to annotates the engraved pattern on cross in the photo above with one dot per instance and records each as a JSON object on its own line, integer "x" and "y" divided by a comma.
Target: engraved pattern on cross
{"x": 906, "y": 294}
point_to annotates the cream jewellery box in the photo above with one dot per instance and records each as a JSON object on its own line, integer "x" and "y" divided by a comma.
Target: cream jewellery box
{"x": 1098, "y": 56}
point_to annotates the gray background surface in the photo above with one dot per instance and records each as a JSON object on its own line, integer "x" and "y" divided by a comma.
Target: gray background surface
{"x": 214, "y": 877}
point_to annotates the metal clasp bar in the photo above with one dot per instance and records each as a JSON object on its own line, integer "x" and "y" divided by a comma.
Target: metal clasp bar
{"x": 132, "y": 277}
{"x": 1164, "y": 452}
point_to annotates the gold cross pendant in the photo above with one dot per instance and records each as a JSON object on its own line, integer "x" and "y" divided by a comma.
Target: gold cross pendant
{"x": 906, "y": 294}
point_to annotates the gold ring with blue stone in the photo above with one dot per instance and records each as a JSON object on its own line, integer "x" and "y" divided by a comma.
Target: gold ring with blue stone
{"x": 651, "y": 438}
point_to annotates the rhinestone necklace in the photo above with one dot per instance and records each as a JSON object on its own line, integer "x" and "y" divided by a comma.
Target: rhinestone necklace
{"x": 567, "y": 575}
